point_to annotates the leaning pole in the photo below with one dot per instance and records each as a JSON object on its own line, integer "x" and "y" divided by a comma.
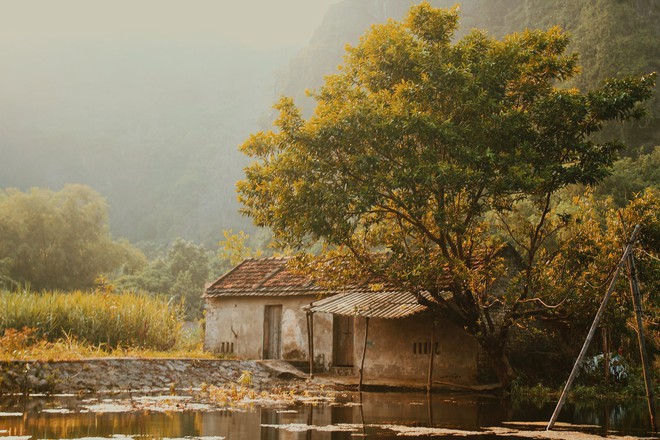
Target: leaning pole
{"x": 592, "y": 330}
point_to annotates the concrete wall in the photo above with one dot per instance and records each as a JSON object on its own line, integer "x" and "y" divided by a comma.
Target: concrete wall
{"x": 399, "y": 348}
{"x": 237, "y": 323}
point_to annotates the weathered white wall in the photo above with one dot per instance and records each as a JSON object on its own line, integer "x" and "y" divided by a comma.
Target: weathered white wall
{"x": 240, "y": 320}
{"x": 390, "y": 353}
{"x": 390, "y": 350}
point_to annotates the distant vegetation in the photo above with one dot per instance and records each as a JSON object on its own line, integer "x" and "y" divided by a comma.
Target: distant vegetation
{"x": 152, "y": 126}
{"x": 61, "y": 240}
{"x": 613, "y": 39}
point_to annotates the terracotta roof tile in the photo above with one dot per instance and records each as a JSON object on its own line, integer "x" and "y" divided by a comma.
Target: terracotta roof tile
{"x": 262, "y": 277}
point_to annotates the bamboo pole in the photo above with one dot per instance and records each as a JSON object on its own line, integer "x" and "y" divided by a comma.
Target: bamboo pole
{"x": 364, "y": 352}
{"x": 592, "y": 330}
{"x": 646, "y": 370}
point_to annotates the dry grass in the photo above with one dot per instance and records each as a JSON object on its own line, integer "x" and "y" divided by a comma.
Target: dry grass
{"x": 25, "y": 345}
{"x": 54, "y": 326}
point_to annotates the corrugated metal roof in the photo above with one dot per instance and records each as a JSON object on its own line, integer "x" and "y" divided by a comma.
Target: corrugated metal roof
{"x": 371, "y": 304}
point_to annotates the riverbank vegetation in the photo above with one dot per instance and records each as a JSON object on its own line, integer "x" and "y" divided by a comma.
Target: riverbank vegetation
{"x": 97, "y": 318}
{"x": 587, "y": 389}
{"x": 74, "y": 325}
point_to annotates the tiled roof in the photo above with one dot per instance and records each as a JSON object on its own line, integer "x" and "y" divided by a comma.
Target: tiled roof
{"x": 270, "y": 277}
{"x": 389, "y": 303}
{"x": 262, "y": 277}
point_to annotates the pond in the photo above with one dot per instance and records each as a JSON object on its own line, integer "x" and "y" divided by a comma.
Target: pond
{"x": 369, "y": 415}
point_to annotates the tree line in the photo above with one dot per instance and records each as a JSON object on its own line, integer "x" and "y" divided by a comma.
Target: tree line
{"x": 60, "y": 240}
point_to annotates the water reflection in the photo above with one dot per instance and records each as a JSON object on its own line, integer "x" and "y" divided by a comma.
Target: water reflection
{"x": 354, "y": 415}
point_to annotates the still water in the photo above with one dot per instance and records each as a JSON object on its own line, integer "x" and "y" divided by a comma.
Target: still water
{"x": 352, "y": 415}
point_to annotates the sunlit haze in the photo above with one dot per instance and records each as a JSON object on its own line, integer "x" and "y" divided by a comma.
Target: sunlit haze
{"x": 137, "y": 97}
{"x": 258, "y": 23}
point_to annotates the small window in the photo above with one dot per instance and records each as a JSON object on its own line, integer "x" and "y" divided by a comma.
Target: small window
{"x": 226, "y": 347}
{"x": 425, "y": 348}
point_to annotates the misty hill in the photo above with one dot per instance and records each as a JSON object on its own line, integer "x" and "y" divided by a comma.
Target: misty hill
{"x": 152, "y": 126}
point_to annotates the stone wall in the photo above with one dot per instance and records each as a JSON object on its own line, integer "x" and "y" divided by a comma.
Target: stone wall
{"x": 123, "y": 374}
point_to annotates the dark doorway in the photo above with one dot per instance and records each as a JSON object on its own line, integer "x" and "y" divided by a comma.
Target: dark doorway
{"x": 342, "y": 341}
{"x": 272, "y": 332}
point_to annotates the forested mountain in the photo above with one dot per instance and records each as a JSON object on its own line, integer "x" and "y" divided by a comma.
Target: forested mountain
{"x": 613, "y": 39}
{"x": 154, "y": 126}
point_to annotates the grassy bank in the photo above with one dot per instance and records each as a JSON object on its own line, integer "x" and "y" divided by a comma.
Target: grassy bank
{"x": 97, "y": 321}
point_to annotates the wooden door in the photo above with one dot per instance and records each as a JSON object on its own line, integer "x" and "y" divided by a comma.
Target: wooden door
{"x": 342, "y": 341}
{"x": 272, "y": 332}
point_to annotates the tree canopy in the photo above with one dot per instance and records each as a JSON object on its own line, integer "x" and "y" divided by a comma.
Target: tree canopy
{"x": 58, "y": 240}
{"x": 418, "y": 143}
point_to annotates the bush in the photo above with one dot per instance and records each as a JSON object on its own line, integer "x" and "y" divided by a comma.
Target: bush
{"x": 114, "y": 320}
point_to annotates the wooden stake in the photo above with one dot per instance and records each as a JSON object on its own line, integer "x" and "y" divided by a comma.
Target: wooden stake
{"x": 364, "y": 352}
{"x": 606, "y": 354}
{"x": 310, "y": 342}
{"x": 364, "y": 427}
{"x": 429, "y": 397}
{"x": 646, "y": 369}
{"x": 429, "y": 384}
{"x": 592, "y": 330}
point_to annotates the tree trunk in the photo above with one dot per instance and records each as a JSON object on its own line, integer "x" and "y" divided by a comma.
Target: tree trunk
{"x": 492, "y": 344}
{"x": 500, "y": 362}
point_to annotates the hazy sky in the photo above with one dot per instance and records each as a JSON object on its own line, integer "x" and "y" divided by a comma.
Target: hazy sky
{"x": 259, "y": 23}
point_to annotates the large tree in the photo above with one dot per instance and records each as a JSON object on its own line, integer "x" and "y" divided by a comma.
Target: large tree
{"x": 418, "y": 142}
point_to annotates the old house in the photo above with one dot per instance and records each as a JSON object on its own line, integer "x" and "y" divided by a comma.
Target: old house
{"x": 255, "y": 312}
{"x": 261, "y": 310}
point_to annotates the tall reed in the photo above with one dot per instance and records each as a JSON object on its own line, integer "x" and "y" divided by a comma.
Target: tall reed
{"x": 112, "y": 319}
